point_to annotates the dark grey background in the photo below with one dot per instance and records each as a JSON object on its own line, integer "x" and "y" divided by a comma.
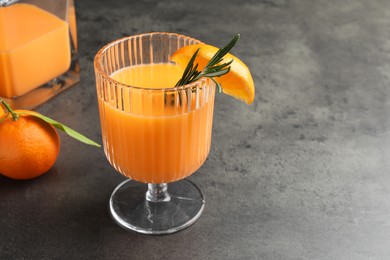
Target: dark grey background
{"x": 303, "y": 173}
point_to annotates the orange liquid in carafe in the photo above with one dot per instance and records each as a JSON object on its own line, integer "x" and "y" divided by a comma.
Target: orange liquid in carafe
{"x": 34, "y": 48}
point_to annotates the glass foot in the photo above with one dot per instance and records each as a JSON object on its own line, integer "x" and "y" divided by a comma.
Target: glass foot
{"x": 132, "y": 207}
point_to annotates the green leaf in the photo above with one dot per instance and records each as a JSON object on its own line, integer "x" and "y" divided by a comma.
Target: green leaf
{"x": 64, "y": 128}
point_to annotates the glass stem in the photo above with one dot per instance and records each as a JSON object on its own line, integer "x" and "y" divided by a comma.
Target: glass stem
{"x": 157, "y": 192}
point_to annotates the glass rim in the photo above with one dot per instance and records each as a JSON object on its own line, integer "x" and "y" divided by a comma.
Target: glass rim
{"x": 105, "y": 76}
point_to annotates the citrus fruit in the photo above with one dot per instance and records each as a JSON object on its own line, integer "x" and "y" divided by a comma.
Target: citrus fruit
{"x": 237, "y": 83}
{"x": 29, "y": 146}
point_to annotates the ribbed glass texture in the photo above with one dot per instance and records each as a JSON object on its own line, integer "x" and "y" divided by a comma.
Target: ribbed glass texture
{"x": 152, "y": 135}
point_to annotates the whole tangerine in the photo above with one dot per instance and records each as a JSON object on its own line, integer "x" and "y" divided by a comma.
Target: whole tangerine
{"x": 29, "y": 146}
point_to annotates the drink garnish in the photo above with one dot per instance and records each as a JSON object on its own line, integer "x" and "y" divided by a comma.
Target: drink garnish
{"x": 214, "y": 67}
{"x": 229, "y": 73}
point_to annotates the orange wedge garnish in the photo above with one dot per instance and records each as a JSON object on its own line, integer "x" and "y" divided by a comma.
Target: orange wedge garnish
{"x": 237, "y": 83}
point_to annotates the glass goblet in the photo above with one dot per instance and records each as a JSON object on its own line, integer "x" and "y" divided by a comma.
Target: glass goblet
{"x": 154, "y": 136}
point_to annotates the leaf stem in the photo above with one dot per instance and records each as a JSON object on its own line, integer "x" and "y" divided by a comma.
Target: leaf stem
{"x": 15, "y": 116}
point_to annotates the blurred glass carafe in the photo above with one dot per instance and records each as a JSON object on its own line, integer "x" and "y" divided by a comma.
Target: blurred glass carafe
{"x": 38, "y": 50}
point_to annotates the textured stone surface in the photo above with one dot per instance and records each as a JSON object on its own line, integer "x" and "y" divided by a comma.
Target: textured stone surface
{"x": 303, "y": 173}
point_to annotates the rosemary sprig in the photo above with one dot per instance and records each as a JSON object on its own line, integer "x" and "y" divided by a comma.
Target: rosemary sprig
{"x": 214, "y": 67}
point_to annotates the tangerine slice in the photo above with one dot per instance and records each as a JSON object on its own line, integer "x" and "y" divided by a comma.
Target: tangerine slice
{"x": 237, "y": 83}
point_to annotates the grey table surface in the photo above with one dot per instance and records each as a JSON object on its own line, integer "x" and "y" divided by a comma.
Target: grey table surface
{"x": 303, "y": 173}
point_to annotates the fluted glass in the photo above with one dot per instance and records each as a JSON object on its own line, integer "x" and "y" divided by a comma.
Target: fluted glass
{"x": 152, "y": 135}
